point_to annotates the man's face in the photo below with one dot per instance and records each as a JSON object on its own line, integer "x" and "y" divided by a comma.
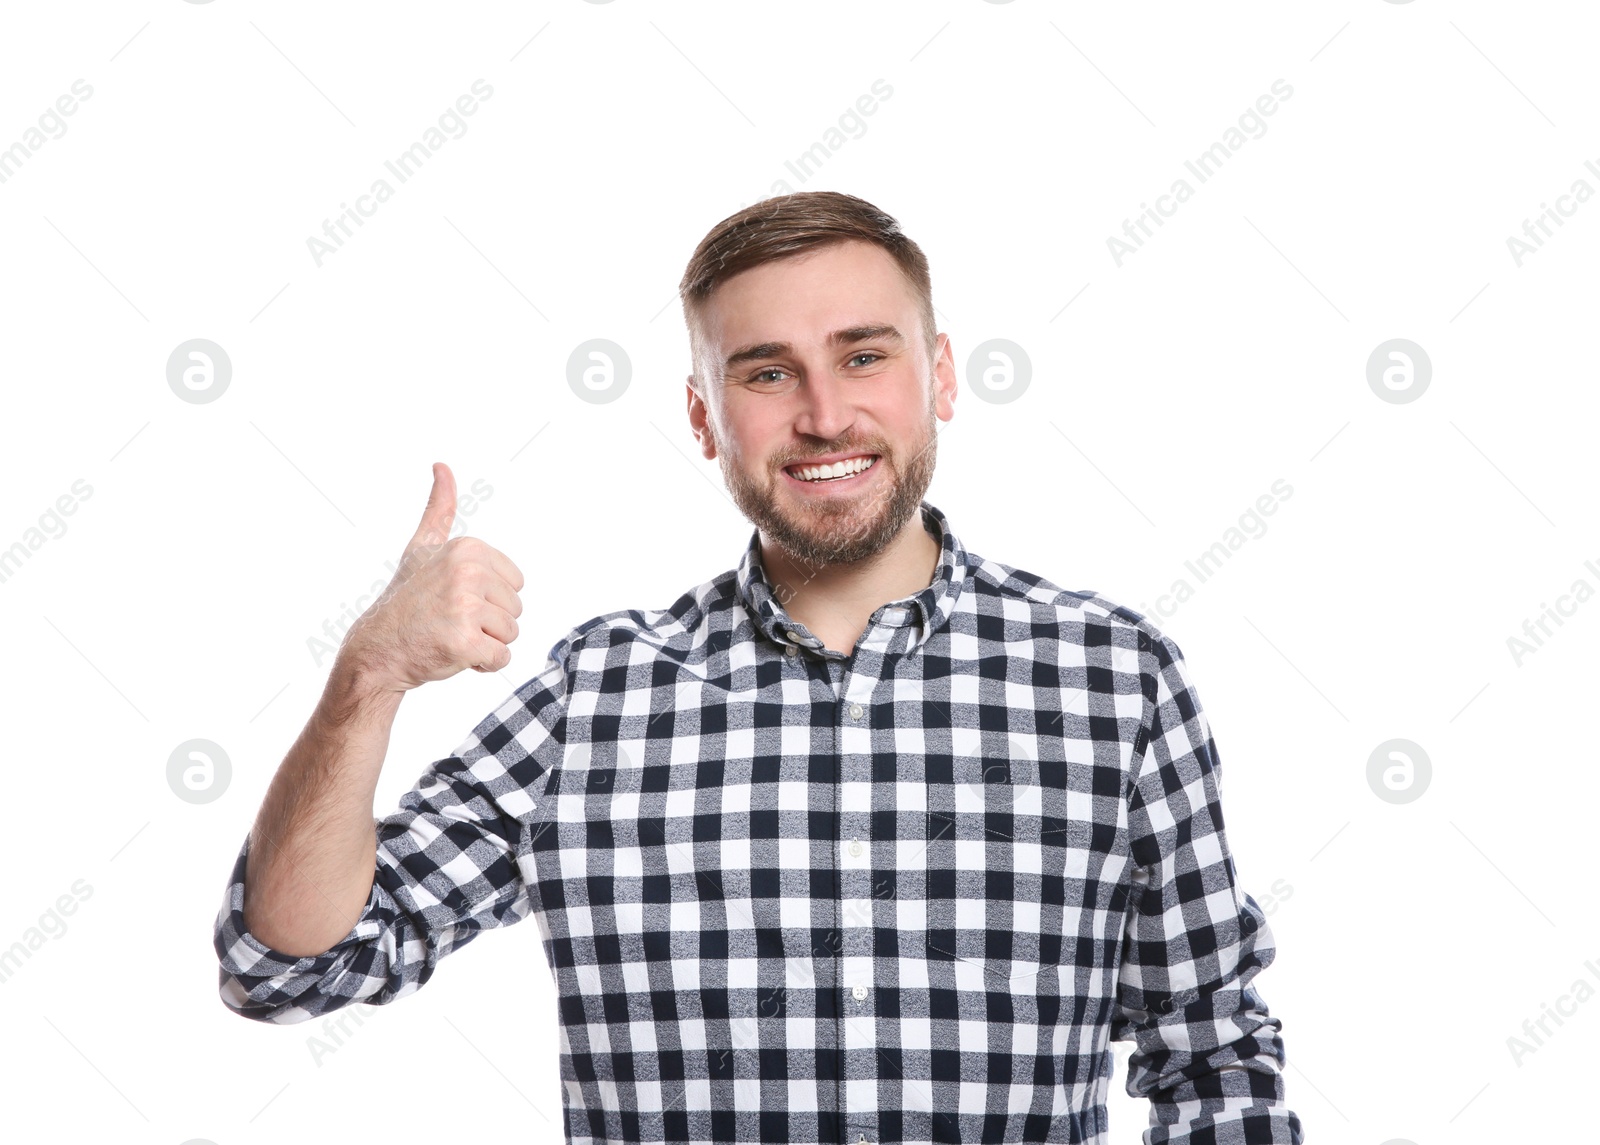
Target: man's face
{"x": 776, "y": 391}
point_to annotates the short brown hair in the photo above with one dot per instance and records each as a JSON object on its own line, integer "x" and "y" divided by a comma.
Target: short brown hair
{"x": 788, "y": 225}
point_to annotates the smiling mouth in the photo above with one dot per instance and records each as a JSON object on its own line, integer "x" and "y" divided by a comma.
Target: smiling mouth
{"x": 837, "y": 471}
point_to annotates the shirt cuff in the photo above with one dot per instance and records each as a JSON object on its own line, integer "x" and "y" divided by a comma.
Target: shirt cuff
{"x": 261, "y": 982}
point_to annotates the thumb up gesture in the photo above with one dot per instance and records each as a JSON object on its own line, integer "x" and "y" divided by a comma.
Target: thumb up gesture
{"x": 452, "y": 604}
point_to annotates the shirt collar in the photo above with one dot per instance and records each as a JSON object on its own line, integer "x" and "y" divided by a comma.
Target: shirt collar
{"x": 928, "y": 608}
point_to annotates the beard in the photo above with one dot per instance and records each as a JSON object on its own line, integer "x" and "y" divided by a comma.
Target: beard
{"x": 846, "y": 531}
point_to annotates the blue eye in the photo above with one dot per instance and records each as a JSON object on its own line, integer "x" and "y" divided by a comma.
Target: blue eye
{"x": 775, "y": 379}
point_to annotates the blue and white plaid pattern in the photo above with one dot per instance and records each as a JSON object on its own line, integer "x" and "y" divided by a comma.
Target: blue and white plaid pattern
{"x": 793, "y": 895}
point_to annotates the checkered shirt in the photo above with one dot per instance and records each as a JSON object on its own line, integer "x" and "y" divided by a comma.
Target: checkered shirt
{"x": 788, "y": 894}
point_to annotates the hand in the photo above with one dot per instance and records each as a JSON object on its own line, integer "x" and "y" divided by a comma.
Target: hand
{"x": 452, "y": 604}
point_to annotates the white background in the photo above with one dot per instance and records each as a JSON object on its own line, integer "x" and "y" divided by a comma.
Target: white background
{"x": 1167, "y": 394}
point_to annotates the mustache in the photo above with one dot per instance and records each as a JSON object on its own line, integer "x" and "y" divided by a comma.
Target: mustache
{"x": 849, "y": 447}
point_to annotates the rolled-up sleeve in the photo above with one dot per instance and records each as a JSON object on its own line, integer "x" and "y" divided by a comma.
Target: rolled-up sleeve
{"x": 1206, "y": 1052}
{"x": 450, "y": 864}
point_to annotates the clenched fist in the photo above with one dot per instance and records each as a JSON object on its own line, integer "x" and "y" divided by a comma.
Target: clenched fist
{"x": 452, "y": 604}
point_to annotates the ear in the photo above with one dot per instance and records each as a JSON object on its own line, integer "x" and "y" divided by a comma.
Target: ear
{"x": 699, "y": 415}
{"x": 944, "y": 379}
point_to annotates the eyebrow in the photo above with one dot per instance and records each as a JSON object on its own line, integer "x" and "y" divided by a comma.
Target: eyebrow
{"x": 846, "y": 337}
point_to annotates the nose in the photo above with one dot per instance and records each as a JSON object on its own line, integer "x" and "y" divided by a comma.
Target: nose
{"x": 825, "y": 406}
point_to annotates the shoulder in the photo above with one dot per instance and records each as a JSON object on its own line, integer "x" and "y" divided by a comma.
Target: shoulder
{"x": 681, "y": 625}
{"x": 1081, "y": 616}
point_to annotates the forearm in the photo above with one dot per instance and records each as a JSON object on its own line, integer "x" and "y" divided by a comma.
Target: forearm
{"x": 1235, "y": 1091}
{"x": 1209, "y": 1055}
{"x": 313, "y": 846}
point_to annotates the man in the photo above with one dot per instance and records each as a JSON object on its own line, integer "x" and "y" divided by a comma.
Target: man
{"x": 869, "y": 839}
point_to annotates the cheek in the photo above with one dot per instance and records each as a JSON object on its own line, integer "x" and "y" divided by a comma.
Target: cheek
{"x": 750, "y": 440}
{"x": 909, "y": 422}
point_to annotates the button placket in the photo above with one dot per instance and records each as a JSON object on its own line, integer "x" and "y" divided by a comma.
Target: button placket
{"x": 858, "y": 1030}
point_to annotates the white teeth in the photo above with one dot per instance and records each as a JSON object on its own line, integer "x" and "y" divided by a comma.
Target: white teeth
{"x": 837, "y": 469}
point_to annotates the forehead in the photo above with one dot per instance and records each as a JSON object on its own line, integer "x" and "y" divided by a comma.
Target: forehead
{"x": 804, "y": 298}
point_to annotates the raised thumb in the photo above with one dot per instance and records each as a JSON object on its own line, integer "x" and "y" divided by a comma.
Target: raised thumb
{"x": 440, "y": 515}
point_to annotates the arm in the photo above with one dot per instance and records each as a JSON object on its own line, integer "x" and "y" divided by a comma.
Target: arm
{"x": 1206, "y": 1051}
{"x": 316, "y": 864}
{"x": 449, "y": 864}
{"x": 452, "y": 603}
{"x": 313, "y": 836}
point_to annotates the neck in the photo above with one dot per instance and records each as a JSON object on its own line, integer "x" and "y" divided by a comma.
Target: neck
{"x": 836, "y": 601}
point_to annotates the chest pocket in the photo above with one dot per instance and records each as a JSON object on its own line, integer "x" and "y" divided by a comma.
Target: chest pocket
{"x": 996, "y": 861}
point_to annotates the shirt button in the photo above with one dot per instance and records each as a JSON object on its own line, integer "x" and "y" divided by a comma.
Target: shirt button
{"x": 790, "y": 650}
{"x": 855, "y": 848}
{"x": 855, "y": 711}
{"x": 859, "y": 993}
